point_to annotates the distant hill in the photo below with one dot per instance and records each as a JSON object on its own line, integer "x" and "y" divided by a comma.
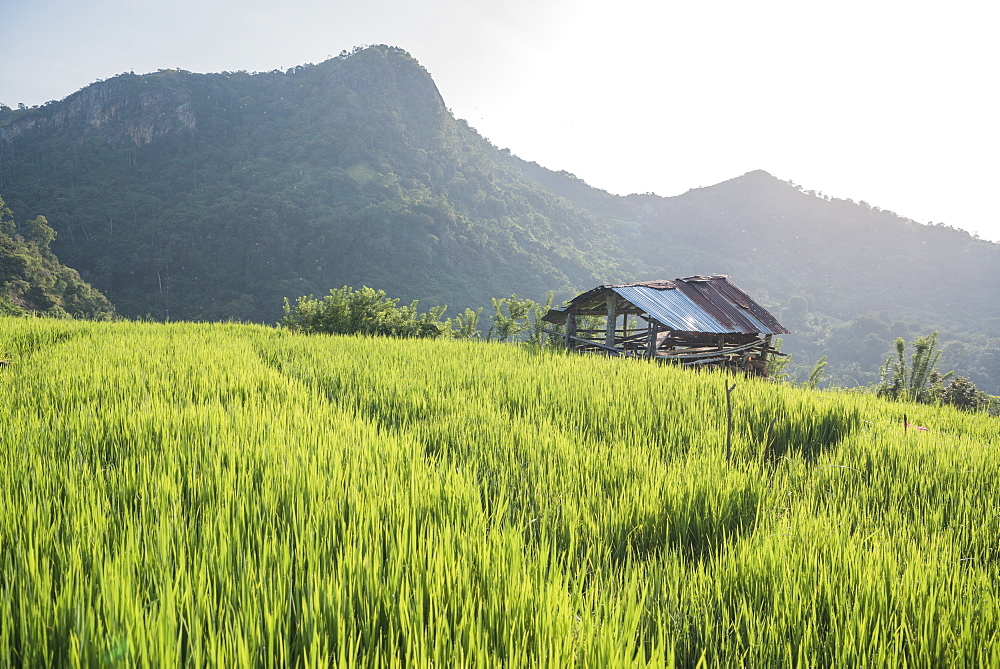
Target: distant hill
{"x": 213, "y": 196}
{"x": 33, "y": 281}
{"x": 845, "y": 277}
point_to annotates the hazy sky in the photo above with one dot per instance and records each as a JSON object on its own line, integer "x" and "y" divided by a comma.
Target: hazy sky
{"x": 894, "y": 103}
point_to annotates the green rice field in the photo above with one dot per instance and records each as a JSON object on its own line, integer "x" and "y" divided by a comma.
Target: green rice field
{"x": 231, "y": 495}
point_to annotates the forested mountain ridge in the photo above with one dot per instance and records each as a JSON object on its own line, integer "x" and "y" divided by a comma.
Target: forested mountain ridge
{"x": 213, "y": 196}
{"x": 245, "y": 189}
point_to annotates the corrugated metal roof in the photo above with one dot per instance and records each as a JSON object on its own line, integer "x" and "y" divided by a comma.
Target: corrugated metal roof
{"x": 709, "y": 304}
{"x": 671, "y": 308}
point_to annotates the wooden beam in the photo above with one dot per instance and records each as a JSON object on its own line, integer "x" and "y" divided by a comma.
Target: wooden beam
{"x": 570, "y": 327}
{"x": 586, "y": 342}
{"x": 650, "y": 339}
{"x": 609, "y": 349}
{"x": 707, "y": 353}
{"x": 612, "y": 300}
{"x": 763, "y": 352}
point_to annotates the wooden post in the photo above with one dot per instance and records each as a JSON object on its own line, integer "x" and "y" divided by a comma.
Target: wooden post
{"x": 768, "y": 440}
{"x": 651, "y": 343}
{"x": 609, "y": 335}
{"x": 570, "y": 328}
{"x": 729, "y": 423}
{"x": 763, "y": 355}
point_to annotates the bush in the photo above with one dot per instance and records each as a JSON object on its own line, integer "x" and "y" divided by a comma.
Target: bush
{"x": 364, "y": 311}
{"x": 964, "y": 394}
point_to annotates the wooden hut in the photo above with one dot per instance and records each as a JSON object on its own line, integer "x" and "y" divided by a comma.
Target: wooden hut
{"x": 700, "y": 320}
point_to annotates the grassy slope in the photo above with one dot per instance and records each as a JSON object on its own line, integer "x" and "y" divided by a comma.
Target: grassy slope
{"x": 228, "y": 494}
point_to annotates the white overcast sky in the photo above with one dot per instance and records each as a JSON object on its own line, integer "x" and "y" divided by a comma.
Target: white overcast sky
{"x": 893, "y": 103}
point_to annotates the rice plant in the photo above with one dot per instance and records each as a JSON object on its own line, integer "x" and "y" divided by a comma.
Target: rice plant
{"x": 234, "y": 495}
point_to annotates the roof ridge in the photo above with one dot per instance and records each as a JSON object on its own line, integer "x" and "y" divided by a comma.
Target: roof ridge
{"x": 658, "y": 284}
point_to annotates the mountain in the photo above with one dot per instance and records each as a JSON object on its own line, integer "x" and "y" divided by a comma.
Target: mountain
{"x": 213, "y": 196}
{"x": 190, "y": 196}
{"x": 33, "y": 280}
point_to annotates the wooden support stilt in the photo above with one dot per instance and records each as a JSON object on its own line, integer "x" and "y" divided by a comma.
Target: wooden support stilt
{"x": 729, "y": 423}
{"x": 609, "y": 337}
{"x": 763, "y": 351}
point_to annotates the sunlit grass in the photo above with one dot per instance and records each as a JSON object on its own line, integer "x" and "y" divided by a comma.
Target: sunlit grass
{"x": 233, "y": 495}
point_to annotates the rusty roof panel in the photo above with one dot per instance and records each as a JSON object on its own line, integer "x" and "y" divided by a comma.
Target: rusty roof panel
{"x": 730, "y": 306}
{"x": 756, "y": 313}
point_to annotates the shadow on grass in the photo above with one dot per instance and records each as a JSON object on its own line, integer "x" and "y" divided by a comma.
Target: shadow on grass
{"x": 784, "y": 434}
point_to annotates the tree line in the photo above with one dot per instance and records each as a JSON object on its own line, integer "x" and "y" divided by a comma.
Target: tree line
{"x": 368, "y": 311}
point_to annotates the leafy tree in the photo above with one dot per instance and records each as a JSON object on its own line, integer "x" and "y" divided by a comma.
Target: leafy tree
{"x": 8, "y": 308}
{"x": 37, "y": 232}
{"x": 466, "y": 324}
{"x": 513, "y": 316}
{"x": 7, "y": 226}
{"x": 537, "y": 336}
{"x": 963, "y": 394}
{"x": 510, "y": 317}
{"x": 903, "y": 380}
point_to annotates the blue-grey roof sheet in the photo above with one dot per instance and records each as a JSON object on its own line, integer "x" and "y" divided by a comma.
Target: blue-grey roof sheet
{"x": 709, "y": 304}
{"x": 671, "y": 308}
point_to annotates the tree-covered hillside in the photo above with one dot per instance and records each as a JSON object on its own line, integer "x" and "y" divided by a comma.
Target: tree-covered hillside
{"x": 215, "y": 196}
{"x": 31, "y": 278}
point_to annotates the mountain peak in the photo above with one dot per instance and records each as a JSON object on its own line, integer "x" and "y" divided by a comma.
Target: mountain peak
{"x": 757, "y": 178}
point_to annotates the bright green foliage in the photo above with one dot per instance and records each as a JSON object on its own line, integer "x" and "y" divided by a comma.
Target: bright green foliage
{"x": 364, "y": 311}
{"x": 510, "y": 317}
{"x": 514, "y": 316}
{"x": 816, "y": 375}
{"x": 33, "y": 281}
{"x": 233, "y": 495}
{"x": 778, "y": 364}
{"x": 37, "y": 232}
{"x": 536, "y": 335}
{"x": 963, "y": 394}
{"x": 910, "y": 381}
{"x": 466, "y": 324}
{"x": 921, "y": 381}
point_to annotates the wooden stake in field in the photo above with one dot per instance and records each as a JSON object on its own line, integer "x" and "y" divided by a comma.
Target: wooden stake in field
{"x": 729, "y": 424}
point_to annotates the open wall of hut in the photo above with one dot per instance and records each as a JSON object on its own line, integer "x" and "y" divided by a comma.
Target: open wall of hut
{"x": 700, "y": 320}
